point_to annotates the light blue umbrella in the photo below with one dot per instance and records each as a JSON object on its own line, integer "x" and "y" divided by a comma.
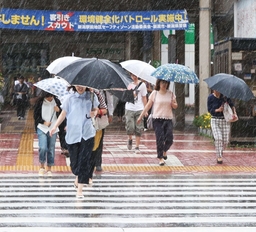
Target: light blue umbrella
{"x": 175, "y": 73}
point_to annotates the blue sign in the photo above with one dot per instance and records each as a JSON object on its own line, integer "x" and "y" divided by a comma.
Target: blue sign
{"x": 93, "y": 21}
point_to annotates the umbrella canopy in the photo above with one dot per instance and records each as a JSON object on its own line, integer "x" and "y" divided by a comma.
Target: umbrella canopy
{"x": 175, "y": 73}
{"x": 60, "y": 63}
{"x": 140, "y": 69}
{"x": 96, "y": 73}
{"x": 230, "y": 86}
{"x": 124, "y": 95}
{"x": 55, "y": 86}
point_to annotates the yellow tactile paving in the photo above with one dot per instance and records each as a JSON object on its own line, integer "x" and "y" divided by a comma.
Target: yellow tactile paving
{"x": 140, "y": 169}
{"x": 25, "y": 152}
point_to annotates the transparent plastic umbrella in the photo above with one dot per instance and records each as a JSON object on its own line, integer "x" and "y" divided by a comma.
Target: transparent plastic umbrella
{"x": 141, "y": 69}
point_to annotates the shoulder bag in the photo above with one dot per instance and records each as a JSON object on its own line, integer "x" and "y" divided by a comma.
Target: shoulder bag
{"x": 99, "y": 122}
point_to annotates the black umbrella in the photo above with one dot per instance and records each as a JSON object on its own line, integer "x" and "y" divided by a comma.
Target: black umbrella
{"x": 96, "y": 73}
{"x": 124, "y": 96}
{"x": 230, "y": 86}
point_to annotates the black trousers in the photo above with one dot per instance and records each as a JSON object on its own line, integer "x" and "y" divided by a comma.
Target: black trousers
{"x": 21, "y": 107}
{"x": 62, "y": 134}
{"x": 80, "y": 159}
{"x": 164, "y": 135}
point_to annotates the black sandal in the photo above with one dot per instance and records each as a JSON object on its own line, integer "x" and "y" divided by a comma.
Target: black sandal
{"x": 219, "y": 161}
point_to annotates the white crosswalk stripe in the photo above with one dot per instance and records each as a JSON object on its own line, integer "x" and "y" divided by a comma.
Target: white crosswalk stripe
{"x": 128, "y": 203}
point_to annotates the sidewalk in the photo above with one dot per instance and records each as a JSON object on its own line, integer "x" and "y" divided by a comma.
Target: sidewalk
{"x": 191, "y": 154}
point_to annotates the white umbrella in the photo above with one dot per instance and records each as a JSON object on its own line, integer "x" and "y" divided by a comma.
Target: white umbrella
{"x": 55, "y": 86}
{"x": 141, "y": 69}
{"x": 61, "y": 63}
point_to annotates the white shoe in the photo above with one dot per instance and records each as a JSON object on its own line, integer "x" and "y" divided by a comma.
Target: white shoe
{"x": 161, "y": 162}
{"x": 49, "y": 173}
{"x": 41, "y": 172}
{"x": 137, "y": 150}
{"x": 80, "y": 197}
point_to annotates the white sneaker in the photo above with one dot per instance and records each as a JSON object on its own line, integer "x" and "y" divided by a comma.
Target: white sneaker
{"x": 49, "y": 173}
{"x": 137, "y": 150}
{"x": 41, "y": 172}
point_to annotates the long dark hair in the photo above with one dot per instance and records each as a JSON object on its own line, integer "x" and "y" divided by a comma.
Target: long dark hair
{"x": 157, "y": 87}
{"x": 43, "y": 94}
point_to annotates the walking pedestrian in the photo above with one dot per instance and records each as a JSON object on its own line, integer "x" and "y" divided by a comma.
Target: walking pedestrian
{"x": 120, "y": 108}
{"x": 46, "y": 111}
{"x": 96, "y": 158}
{"x": 21, "y": 91}
{"x": 108, "y": 110}
{"x": 163, "y": 102}
{"x": 220, "y": 127}
{"x": 77, "y": 108}
{"x": 133, "y": 111}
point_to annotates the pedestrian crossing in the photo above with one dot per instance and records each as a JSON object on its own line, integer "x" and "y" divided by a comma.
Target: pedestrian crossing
{"x": 128, "y": 203}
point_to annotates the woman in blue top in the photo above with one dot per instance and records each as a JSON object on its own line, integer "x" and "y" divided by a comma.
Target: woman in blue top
{"x": 220, "y": 127}
{"x": 77, "y": 108}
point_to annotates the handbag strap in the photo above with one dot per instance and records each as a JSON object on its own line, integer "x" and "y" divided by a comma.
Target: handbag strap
{"x": 92, "y": 99}
{"x": 154, "y": 103}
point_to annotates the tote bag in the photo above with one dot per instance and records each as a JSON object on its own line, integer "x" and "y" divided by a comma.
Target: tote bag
{"x": 228, "y": 113}
{"x": 101, "y": 122}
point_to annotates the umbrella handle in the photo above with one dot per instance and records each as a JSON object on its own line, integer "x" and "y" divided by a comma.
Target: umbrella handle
{"x": 52, "y": 116}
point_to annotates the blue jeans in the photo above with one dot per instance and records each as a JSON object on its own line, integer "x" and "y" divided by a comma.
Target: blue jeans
{"x": 46, "y": 147}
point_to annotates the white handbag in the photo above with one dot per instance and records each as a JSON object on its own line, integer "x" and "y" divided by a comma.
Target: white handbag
{"x": 101, "y": 122}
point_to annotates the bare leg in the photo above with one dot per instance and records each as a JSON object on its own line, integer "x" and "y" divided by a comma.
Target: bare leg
{"x": 42, "y": 165}
{"x": 80, "y": 190}
{"x": 137, "y": 141}
{"x": 76, "y": 181}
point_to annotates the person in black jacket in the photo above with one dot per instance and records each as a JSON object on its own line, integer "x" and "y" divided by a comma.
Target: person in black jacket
{"x": 46, "y": 112}
{"x": 20, "y": 94}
